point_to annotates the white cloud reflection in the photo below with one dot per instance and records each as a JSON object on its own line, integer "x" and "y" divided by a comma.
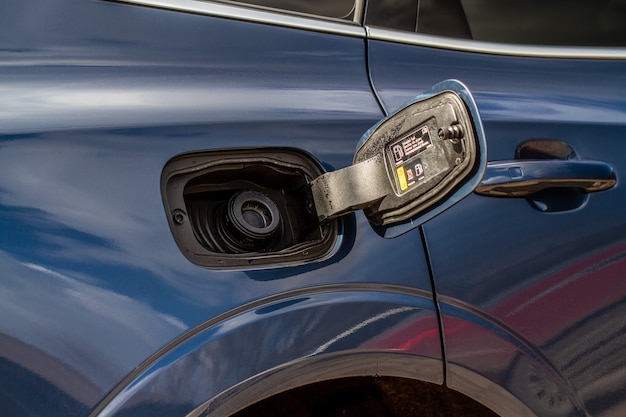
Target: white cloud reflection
{"x": 129, "y": 103}
{"x": 72, "y": 320}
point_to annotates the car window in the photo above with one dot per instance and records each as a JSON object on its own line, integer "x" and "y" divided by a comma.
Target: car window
{"x": 535, "y": 22}
{"x": 394, "y": 14}
{"x": 337, "y": 9}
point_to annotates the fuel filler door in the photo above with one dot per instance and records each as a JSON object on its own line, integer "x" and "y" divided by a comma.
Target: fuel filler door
{"x": 412, "y": 165}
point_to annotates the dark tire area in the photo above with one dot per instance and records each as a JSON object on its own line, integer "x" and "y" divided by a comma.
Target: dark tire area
{"x": 368, "y": 397}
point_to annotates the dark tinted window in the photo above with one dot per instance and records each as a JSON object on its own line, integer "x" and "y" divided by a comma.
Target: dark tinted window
{"x": 548, "y": 22}
{"x": 338, "y": 9}
{"x": 538, "y": 22}
{"x": 443, "y": 18}
{"x": 394, "y": 14}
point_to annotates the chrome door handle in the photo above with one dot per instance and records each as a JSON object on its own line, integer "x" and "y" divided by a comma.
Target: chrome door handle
{"x": 521, "y": 178}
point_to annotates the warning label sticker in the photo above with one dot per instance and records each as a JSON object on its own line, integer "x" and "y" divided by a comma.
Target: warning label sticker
{"x": 403, "y": 152}
{"x": 410, "y": 145}
{"x": 410, "y": 174}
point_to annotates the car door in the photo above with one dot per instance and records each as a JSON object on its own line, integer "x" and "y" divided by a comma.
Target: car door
{"x": 530, "y": 286}
{"x": 100, "y": 310}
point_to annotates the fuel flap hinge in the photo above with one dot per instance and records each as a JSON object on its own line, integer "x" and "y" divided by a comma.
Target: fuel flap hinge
{"x": 353, "y": 188}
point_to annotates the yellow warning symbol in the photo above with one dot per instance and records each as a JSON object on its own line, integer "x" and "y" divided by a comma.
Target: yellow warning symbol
{"x": 402, "y": 178}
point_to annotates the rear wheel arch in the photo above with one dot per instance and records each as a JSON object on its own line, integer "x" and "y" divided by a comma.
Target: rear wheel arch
{"x": 332, "y": 331}
{"x": 316, "y": 385}
{"x": 366, "y": 384}
{"x": 360, "y": 384}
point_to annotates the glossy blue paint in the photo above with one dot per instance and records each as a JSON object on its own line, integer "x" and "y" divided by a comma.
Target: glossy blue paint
{"x": 506, "y": 88}
{"x": 97, "y": 97}
{"x": 101, "y": 314}
{"x": 273, "y": 335}
{"x": 531, "y": 301}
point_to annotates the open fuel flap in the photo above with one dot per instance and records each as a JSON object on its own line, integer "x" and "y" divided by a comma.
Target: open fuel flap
{"x": 266, "y": 207}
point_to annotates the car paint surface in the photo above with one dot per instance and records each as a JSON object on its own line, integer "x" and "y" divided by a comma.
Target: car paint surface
{"x": 96, "y": 97}
{"x": 100, "y": 313}
{"x": 532, "y": 300}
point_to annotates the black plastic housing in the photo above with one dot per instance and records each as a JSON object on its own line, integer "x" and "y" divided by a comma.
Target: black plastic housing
{"x": 246, "y": 208}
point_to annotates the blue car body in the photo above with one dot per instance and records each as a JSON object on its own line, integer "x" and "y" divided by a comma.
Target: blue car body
{"x": 101, "y": 314}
